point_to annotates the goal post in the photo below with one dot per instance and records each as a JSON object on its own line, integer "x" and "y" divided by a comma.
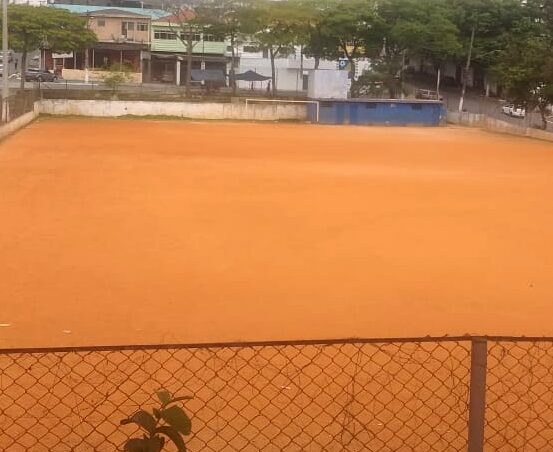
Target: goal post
{"x": 277, "y": 101}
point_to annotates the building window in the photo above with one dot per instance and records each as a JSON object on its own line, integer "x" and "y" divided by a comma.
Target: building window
{"x": 101, "y": 22}
{"x": 250, "y": 49}
{"x": 168, "y": 35}
{"x": 213, "y": 38}
{"x": 126, "y": 27}
{"x": 142, "y": 26}
{"x": 196, "y": 37}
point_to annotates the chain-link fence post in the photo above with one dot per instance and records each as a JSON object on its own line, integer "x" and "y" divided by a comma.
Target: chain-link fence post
{"x": 477, "y": 400}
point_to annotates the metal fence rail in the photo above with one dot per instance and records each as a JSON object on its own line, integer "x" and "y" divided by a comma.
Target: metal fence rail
{"x": 424, "y": 394}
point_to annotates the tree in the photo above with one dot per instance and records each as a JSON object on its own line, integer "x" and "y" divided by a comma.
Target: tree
{"x": 428, "y": 33}
{"x": 313, "y": 37}
{"x": 411, "y": 28}
{"x": 225, "y": 18}
{"x": 31, "y": 27}
{"x": 276, "y": 27}
{"x": 525, "y": 64}
{"x": 186, "y": 26}
{"x": 346, "y": 27}
{"x": 482, "y": 25}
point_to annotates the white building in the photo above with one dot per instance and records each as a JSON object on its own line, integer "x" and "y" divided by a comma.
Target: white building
{"x": 289, "y": 76}
{"x": 292, "y": 71}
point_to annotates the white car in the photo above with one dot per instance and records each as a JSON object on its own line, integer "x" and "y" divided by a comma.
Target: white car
{"x": 515, "y": 111}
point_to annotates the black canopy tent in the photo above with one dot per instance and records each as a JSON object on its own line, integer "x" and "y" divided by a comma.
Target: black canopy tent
{"x": 250, "y": 76}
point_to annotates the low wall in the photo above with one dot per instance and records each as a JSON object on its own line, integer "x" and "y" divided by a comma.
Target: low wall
{"x": 96, "y": 76}
{"x": 191, "y": 110}
{"x": 497, "y": 125}
{"x": 465, "y": 118}
{"x": 18, "y": 123}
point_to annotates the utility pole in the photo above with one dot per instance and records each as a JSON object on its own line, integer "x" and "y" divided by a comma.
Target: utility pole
{"x": 86, "y": 75}
{"x": 6, "y": 64}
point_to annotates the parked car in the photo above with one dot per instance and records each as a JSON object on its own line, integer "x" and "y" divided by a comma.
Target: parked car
{"x": 515, "y": 111}
{"x": 426, "y": 94}
{"x": 39, "y": 75}
{"x": 10, "y": 56}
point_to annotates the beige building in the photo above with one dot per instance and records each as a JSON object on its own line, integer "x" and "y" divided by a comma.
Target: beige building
{"x": 123, "y": 38}
{"x": 113, "y": 25}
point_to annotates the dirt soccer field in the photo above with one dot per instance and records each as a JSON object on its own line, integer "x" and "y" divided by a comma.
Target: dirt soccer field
{"x": 115, "y": 231}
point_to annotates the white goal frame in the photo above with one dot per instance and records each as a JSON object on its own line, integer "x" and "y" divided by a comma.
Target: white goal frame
{"x": 316, "y": 102}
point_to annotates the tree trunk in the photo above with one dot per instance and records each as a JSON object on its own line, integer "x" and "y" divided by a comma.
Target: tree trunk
{"x": 189, "y": 48}
{"x": 23, "y": 65}
{"x": 232, "y": 72}
{"x": 273, "y": 70}
{"x": 301, "y": 68}
{"x": 317, "y": 61}
{"x": 86, "y": 66}
{"x": 543, "y": 114}
{"x": 467, "y": 67}
{"x": 352, "y": 67}
{"x": 438, "y": 81}
{"x": 401, "y": 70}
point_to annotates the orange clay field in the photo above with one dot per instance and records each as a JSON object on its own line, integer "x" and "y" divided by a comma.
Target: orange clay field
{"x": 143, "y": 231}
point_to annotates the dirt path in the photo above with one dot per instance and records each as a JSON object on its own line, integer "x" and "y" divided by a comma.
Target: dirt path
{"x": 143, "y": 231}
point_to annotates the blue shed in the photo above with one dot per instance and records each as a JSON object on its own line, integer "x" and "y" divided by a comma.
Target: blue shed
{"x": 397, "y": 112}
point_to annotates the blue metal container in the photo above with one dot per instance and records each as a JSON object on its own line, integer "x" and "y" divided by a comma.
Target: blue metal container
{"x": 397, "y": 112}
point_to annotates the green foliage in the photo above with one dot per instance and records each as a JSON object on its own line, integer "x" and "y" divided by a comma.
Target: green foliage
{"x": 346, "y": 27}
{"x": 492, "y": 21}
{"x": 276, "y": 25}
{"x": 117, "y": 75}
{"x": 32, "y": 27}
{"x": 524, "y": 65}
{"x": 169, "y": 421}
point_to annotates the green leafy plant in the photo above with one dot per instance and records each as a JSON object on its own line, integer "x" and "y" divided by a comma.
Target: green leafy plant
{"x": 117, "y": 75}
{"x": 169, "y": 421}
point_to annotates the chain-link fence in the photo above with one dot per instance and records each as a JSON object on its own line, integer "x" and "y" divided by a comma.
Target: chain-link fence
{"x": 354, "y": 395}
{"x": 71, "y": 90}
{"x": 19, "y": 103}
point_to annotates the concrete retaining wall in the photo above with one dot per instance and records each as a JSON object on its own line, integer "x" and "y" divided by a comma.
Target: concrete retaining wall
{"x": 18, "y": 123}
{"x": 465, "y": 118}
{"x": 114, "y": 108}
{"x": 497, "y": 125}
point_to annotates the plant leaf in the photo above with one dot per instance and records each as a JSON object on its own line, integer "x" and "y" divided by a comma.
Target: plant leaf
{"x": 143, "y": 419}
{"x": 174, "y": 436}
{"x": 177, "y": 418}
{"x": 136, "y": 445}
{"x": 164, "y": 397}
{"x": 155, "y": 444}
{"x": 178, "y": 399}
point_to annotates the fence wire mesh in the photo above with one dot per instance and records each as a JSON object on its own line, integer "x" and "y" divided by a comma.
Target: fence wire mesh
{"x": 354, "y": 396}
{"x": 19, "y": 103}
{"x": 519, "y": 396}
